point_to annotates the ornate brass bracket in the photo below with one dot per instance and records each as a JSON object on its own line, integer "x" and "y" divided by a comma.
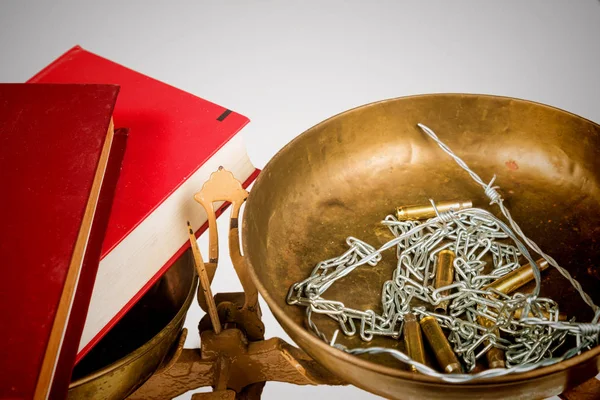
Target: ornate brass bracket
{"x": 234, "y": 359}
{"x": 234, "y": 367}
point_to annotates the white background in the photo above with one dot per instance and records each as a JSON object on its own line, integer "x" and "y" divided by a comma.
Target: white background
{"x": 287, "y": 66}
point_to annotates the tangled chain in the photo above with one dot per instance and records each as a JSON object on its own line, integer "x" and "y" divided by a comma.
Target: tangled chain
{"x": 478, "y": 239}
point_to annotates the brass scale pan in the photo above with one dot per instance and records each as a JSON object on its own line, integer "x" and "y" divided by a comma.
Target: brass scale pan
{"x": 344, "y": 175}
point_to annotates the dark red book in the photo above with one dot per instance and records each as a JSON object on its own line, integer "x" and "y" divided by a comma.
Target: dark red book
{"x": 59, "y": 163}
{"x": 176, "y": 140}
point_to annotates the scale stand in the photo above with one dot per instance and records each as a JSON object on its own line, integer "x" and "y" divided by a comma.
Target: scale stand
{"x": 234, "y": 358}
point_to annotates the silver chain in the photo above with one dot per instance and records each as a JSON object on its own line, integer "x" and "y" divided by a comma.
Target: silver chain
{"x": 476, "y": 236}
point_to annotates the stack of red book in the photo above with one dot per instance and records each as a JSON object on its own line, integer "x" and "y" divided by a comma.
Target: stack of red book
{"x": 94, "y": 215}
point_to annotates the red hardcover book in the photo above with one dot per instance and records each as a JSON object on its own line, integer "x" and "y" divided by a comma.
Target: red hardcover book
{"x": 176, "y": 140}
{"x": 59, "y": 162}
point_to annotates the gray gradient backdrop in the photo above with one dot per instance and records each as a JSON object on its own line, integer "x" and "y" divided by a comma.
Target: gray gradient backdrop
{"x": 288, "y": 65}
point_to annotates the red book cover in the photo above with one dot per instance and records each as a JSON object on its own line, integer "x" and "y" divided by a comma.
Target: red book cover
{"x": 175, "y": 141}
{"x": 59, "y": 159}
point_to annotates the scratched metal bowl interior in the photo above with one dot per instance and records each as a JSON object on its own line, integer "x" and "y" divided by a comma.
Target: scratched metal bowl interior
{"x": 343, "y": 176}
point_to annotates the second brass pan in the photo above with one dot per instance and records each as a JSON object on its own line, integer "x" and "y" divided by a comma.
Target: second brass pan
{"x": 142, "y": 340}
{"x": 341, "y": 177}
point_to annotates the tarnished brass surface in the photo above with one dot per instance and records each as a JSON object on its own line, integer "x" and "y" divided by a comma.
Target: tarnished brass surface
{"x": 516, "y": 279}
{"x": 413, "y": 339}
{"x": 222, "y": 186}
{"x": 426, "y": 211}
{"x": 224, "y": 395}
{"x": 343, "y": 176}
{"x": 444, "y": 276}
{"x": 228, "y": 360}
{"x": 230, "y": 310}
{"x": 589, "y": 390}
{"x": 440, "y": 346}
{"x": 135, "y": 348}
{"x": 204, "y": 291}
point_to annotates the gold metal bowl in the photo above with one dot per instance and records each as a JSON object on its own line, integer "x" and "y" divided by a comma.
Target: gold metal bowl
{"x": 343, "y": 176}
{"x": 141, "y": 342}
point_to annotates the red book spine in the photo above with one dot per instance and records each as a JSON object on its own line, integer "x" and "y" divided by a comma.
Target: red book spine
{"x": 68, "y": 353}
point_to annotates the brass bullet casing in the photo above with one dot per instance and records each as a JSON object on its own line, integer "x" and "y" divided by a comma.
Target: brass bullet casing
{"x": 518, "y": 312}
{"x": 413, "y": 340}
{"x": 425, "y": 211}
{"x": 439, "y": 344}
{"x": 514, "y": 280}
{"x": 494, "y": 356}
{"x": 444, "y": 276}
